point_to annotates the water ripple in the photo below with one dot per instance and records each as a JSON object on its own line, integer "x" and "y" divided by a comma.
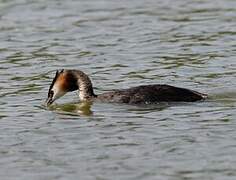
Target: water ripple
{"x": 119, "y": 44}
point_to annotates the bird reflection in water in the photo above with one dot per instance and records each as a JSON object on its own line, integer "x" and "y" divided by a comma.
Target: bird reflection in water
{"x": 81, "y": 108}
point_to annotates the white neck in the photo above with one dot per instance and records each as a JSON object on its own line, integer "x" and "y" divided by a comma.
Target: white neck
{"x": 84, "y": 85}
{"x": 82, "y": 90}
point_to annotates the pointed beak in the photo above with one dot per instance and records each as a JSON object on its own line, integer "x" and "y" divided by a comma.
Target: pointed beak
{"x": 49, "y": 101}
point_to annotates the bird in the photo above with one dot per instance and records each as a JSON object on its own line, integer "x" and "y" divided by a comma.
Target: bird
{"x": 68, "y": 80}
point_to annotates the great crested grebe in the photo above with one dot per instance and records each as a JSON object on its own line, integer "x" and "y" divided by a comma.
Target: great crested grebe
{"x": 71, "y": 80}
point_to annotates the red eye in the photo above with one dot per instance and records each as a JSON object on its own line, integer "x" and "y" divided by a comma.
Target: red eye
{"x": 50, "y": 94}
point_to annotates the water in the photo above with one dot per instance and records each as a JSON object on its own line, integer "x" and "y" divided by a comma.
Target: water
{"x": 119, "y": 44}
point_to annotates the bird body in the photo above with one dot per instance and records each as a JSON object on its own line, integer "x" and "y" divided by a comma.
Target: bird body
{"x": 150, "y": 94}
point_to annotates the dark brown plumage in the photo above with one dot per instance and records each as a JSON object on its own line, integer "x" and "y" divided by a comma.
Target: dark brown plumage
{"x": 151, "y": 94}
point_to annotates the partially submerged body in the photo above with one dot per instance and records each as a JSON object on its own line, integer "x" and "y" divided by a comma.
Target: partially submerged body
{"x": 151, "y": 94}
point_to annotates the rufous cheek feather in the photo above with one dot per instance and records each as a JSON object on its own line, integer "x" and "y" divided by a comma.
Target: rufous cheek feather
{"x": 66, "y": 82}
{"x": 61, "y": 83}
